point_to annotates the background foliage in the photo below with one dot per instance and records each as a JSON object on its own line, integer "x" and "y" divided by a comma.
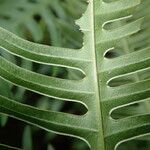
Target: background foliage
{"x": 51, "y": 22}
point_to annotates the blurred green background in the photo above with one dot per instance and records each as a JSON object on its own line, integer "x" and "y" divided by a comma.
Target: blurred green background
{"x": 50, "y": 22}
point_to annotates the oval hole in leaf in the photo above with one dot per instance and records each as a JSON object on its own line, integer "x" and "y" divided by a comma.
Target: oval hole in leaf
{"x": 13, "y": 133}
{"x": 114, "y": 24}
{"x": 52, "y": 104}
{"x": 68, "y": 143}
{"x": 45, "y": 103}
{"x": 129, "y": 78}
{"x": 138, "y": 108}
{"x": 48, "y": 70}
{"x": 112, "y": 53}
{"x": 140, "y": 143}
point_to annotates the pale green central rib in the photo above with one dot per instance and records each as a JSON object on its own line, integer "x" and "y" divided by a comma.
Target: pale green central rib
{"x": 100, "y": 137}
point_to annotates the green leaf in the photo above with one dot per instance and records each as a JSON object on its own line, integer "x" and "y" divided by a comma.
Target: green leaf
{"x": 50, "y": 148}
{"x": 27, "y": 139}
{"x": 97, "y": 127}
{"x": 3, "y": 119}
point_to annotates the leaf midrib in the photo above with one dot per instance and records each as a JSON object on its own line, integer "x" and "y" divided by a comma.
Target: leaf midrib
{"x": 99, "y": 120}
